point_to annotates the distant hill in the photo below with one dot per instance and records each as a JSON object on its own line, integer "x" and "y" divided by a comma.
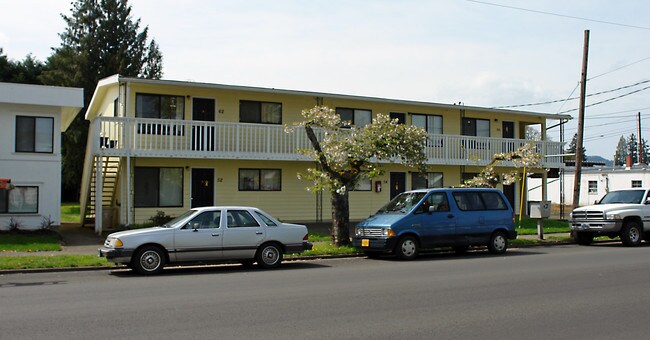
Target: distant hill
{"x": 598, "y": 159}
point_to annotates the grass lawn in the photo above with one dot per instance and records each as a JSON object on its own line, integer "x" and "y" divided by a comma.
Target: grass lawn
{"x": 30, "y": 241}
{"x": 529, "y": 226}
{"x": 56, "y": 261}
{"x": 70, "y": 212}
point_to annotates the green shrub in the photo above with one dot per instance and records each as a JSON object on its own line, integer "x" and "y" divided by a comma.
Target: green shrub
{"x": 160, "y": 218}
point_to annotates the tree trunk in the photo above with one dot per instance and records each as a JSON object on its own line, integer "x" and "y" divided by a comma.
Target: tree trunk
{"x": 340, "y": 219}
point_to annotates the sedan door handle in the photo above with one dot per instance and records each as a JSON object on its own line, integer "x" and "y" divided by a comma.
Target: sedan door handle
{"x": 259, "y": 233}
{"x": 450, "y": 216}
{"x": 215, "y": 234}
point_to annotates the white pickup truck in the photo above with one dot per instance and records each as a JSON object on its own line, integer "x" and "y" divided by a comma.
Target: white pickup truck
{"x": 624, "y": 213}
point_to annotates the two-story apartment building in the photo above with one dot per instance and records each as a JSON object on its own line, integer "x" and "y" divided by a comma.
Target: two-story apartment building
{"x": 31, "y": 120}
{"x": 161, "y": 145}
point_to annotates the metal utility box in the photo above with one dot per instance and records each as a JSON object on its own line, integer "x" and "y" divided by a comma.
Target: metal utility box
{"x": 539, "y": 209}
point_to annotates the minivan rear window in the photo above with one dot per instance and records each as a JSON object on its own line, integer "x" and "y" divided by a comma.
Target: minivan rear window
{"x": 470, "y": 201}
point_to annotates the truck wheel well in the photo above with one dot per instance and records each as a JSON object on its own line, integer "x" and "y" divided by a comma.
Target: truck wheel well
{"x": 636, "y": 219}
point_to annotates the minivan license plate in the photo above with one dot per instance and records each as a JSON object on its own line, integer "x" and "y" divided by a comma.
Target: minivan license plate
{"x": 365, "y": 242}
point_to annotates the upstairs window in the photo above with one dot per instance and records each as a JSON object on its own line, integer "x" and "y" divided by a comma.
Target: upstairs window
{"x": 476, "y": 127}
{"x": 637, "y": 183}
{"x": 34, "y": 134}
{"x": 430, "y": 123}
{"x": 356, "y": 117}
{"x": 159, "y": 106}
{"x": 260, "y": 112}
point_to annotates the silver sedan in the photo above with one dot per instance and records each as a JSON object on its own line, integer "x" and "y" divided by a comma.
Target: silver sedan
{"x": 208, "y": 234}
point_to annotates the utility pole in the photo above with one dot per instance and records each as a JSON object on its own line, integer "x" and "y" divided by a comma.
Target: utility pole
{"x": 640, "y": 152}
{"x": 581, "y": 123}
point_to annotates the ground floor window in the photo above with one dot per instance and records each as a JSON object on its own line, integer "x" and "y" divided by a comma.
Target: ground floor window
{"x": 158, "y": 187}
{"x": 637, "y": 184}
{"x": 427, "y": 180}
{"x": 19, "y": 200}
{"x": 593, "y": 187}
{"x": 260, "y": 179}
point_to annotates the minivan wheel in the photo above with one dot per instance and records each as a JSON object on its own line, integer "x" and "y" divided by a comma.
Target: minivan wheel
{"x": 498, "y": 243}
{"x": 148, "y": 260}
{"x": 631, "y": 234}
{"x": 407, "y": 248}
{"x": 583, "y": 238}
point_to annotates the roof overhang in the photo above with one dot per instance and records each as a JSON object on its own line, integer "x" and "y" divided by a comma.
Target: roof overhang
{"x": 68, "y": 100}
{"x": 116, "y": 79}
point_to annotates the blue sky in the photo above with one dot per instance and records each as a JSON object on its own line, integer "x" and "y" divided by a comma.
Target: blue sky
{"x": 447, "y": 51}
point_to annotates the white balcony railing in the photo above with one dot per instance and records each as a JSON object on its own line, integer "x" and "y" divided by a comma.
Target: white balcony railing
{"x": 141, "y": 137}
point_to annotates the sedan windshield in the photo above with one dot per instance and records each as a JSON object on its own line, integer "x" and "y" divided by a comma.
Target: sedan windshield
{"x": 178, "y": 219}
{"x": 625, "y": 196}
{"x": 403, "y": 202}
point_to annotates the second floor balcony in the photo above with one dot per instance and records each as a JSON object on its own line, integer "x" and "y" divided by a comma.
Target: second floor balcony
{"x": 142, "y": 137}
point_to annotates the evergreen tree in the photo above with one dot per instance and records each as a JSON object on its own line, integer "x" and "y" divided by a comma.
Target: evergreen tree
{"x": 632, "y": 145}
{"x": 100, "y": 40}
{"x": 572, "y": 149}
{"x": 621, "y": 151}
{"x": 25, "y": 72}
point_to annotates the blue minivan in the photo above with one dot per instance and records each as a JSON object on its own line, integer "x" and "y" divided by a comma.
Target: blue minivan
{"x": 432, "y": 218}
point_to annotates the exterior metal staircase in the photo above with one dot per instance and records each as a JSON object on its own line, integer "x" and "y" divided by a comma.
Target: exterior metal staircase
{"x": 110, "y": 177}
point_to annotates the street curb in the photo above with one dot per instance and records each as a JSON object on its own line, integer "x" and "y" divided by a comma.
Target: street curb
{"x": 296, "y": 258}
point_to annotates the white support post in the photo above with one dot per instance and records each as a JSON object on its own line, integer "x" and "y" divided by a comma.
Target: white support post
{"x": 99, "y": 164}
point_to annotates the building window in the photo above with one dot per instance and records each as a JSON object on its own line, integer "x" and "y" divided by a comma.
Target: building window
{"x": 158, "y": 187}
{"x": 34, "y": 134}
{"x": 159, "y": 106}
{"x": 428, "y": 180}
{"x": 637, "y": 183}
{"x": 476, "y": 127}
{"x": 356, "y": 117}
{"x": 260, "y": 112}
{"x": 432, "y": 124}
{"x": 364, "y": 184}
{"x": 400, "y": 116}
{"x": 116, "y": 107}
{"x": 593, "y": 187}
{"x": 260, "y": 179}
{"x": 19, "y": 200}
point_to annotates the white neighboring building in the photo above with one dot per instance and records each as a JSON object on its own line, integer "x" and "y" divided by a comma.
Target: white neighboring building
{"x": 31, "y": 120}
{"x": 595, "y": 183}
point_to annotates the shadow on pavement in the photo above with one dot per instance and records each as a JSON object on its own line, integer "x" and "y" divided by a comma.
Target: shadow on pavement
{"x": 217, "y": 269}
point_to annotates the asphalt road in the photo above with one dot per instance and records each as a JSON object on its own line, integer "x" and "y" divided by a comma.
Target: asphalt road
{"x": 559, "y": 292}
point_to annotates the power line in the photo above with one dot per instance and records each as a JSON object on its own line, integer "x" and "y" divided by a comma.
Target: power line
{"x": 559, "y": 15}
{"x": 618, "y": 68}
{"x": 574, "y": 98}
{"x": 610, "y": 99}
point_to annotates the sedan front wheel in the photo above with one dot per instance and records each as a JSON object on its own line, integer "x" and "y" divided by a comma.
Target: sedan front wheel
{"x": 148, "y": 260}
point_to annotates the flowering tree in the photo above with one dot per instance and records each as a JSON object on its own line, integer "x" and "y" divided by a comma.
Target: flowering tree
{"x": 346, "y": 154}
{"x": 526, "y": 156}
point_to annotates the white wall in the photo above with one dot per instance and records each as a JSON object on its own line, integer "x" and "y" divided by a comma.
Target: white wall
{"x": 606, "y": 179}
{"x": 42, "y": 170}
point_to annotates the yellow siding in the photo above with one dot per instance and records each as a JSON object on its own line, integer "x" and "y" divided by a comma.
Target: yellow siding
{"x": 293, "y": 202}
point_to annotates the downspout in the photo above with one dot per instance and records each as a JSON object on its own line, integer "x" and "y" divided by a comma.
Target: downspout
{"x": 129, "y": 145}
